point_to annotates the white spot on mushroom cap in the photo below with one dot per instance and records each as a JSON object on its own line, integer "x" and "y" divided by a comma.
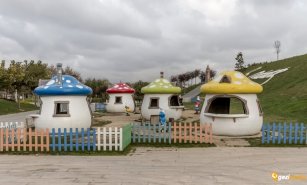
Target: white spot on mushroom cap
{"x": 68, "y": 81}
{"x": 79, "y": 86}
{"x": 46, "y": 87}
{"x": 51, "y": 82}
{"x": 152, "y": 86}
{"x": 238, "y": 82}
{"x": 165, "y": 81}
{"x": 70, "y": 86}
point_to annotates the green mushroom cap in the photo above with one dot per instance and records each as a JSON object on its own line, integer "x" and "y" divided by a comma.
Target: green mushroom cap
{"x": 161, "y": 86}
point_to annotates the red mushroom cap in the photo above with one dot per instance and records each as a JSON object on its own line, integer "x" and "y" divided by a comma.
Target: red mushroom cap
{"x": 120, "y": 88}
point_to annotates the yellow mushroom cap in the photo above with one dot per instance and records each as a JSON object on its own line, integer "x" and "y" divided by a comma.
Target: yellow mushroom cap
{"x": 231, "y": 82}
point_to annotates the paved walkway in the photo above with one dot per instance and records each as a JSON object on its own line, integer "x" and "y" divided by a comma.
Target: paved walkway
{"x": 217, "y": 165}
{"x": 17, "y": 117}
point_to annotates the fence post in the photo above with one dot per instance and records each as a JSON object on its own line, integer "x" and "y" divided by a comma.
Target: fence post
{"x": 139, "y": 133}
{"x": 149, "y": 133}
{"x": 88, "y": 140}
{"x": 268, "y": 133}
{"x": 13, "y": 139}
{"x": 1, "y": 139}
{"x": 143, "y": 132}
{"x": 175, "y": 132}
{"x": 59, "y": 140}
{"x": 98, "y": 139}
{"x": 302, "y": 133}
{"x": 6, "y": 139}
{"x": 65, "y": 139}
{"x": 110, "y": 138}
{"x": 263, "y": 133}
{"x": 77, "y": 139}
{"x": 273, "y": 133}
{"x": 285, "y": 133}
{"x": 42, "y": 140}
{"x": 53, "y": 139}
{"x": 290, "y": 133}
{"x": 154, "y": 132}
{"x": 104, "y": 138}
{"x": 70, "y": 139}
{"x": 25, "y": 135}
{"x": 47, "y": 140}
{"x": 121, "y": 139}
{"x": 94, "y": 139}
{"x": 18, "y": 138}
{"x": 170, "y": 132}
{"x": 116, "y": 137}
{"x": 82, "y": 138}
{"x": 279, "y": 133}
{"x": 295, "y": 133}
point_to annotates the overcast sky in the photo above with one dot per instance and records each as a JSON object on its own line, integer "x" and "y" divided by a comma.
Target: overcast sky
{"x": 135, "y": 40}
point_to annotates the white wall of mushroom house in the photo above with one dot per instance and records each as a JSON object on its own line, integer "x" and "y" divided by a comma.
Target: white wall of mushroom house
{"x": 231, "y": 105}
{"x": 120, "y": 96}
{"x": 161, "y": 94}
{"x": 63, "y": 104}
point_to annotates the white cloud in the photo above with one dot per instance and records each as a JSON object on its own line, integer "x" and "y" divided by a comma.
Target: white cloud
{"x": 132, "y": 40}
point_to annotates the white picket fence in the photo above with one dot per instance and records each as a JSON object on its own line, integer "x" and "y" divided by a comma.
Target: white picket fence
{"x": 109, "y": 139}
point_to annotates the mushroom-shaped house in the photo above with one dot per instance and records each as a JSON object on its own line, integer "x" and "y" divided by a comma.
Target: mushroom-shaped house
{"x": 120, "y": 96}
{"x": 63, "y": 103}
{"x": 231, "y": 105}
{"x": 161, "y": 94}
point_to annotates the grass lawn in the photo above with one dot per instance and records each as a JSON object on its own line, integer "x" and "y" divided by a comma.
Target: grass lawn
{"x": 284, "y": 98}
{"x": 9, "y": 107}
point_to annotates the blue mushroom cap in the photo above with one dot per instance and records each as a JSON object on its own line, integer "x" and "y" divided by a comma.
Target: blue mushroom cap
{"x": 69, "y": 86}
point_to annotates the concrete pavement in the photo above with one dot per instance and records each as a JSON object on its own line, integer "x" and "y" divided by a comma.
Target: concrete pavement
{"x": 17, "y": 117}
{"x": 216, "y": 165}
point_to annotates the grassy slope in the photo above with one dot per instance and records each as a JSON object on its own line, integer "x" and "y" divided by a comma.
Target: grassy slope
{"x": 285, "y": 96}
{"x": 9, "y": 107}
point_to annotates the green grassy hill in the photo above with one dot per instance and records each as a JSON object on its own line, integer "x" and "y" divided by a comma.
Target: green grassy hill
{"x": 9, "y": 107}
{"x": 284, "y": 97}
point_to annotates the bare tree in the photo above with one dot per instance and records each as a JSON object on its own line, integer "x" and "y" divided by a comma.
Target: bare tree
{"x": 277, "y": 45}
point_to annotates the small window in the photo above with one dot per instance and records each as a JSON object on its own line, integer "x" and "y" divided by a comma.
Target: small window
{"x": 227, "y": 105}
{"x": 61, "y": 109}
{"x": 154, "y": 103}
{"x": 174, "y": 101}
{"x": 118, "y": 100}
{"x": 259, "y": 108}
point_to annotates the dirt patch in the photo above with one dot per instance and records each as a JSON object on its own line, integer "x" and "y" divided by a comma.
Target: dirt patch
{"x": 121, "y": 119}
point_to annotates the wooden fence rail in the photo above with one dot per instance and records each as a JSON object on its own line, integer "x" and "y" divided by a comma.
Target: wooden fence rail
{"x": 22, "y": 140}
{"x": 284, "y": 133}
{"x": 148, "y": 132}
{"x": 192, "y": 133}
{"x": 64, "y": 140}
{"x": 172, "y": 132}
{"x": 109, "y": 139}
